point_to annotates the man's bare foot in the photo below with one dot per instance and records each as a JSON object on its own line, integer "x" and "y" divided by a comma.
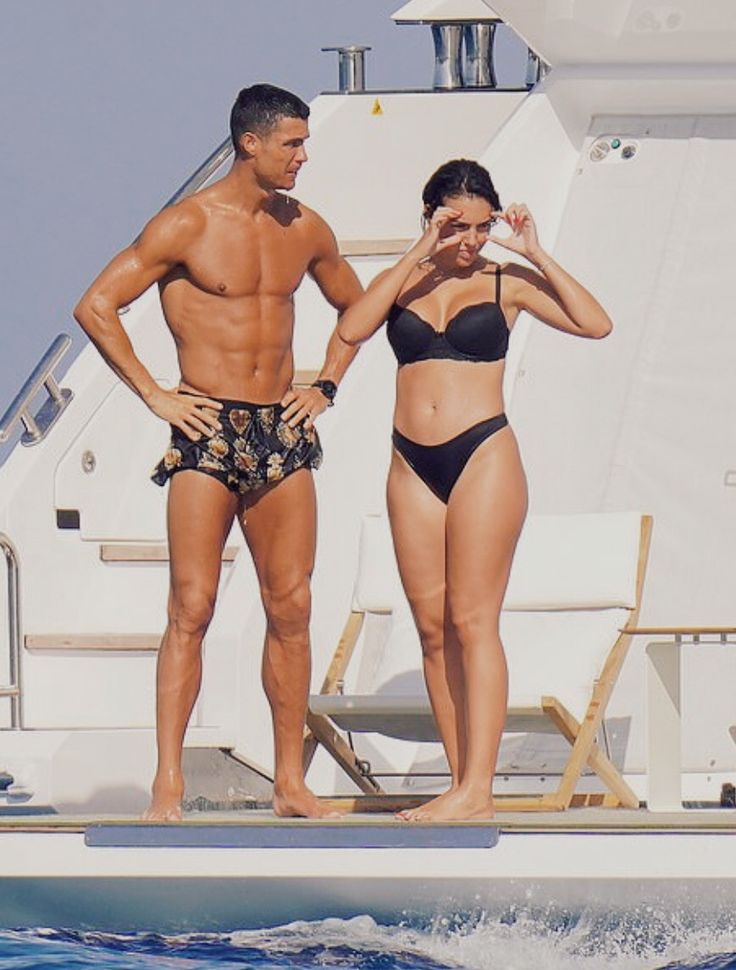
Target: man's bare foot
{"x": 455, "y": 805}
{"x": 167, "y": 794}
{"x": 301, "y": 803}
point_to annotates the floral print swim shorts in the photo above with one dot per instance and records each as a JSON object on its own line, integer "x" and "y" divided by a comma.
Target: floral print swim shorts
{"x": 254, "y": 448}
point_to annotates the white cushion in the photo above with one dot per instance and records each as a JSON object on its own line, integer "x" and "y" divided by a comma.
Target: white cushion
{"x": 560, "y": 653}
{"x": 377, "y": 586}
{"x": 581, "y": 561}
{"x": 562, "y": 562}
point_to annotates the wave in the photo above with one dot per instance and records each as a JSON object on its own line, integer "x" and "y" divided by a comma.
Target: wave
{"x": 512, "y": 939}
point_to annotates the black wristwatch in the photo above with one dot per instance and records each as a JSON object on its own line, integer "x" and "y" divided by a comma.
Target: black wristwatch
{"x": 329, "y": 389}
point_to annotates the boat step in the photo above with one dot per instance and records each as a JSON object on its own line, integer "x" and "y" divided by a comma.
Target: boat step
{"x": 148, "y": 552}
{"x": 16, "y": 793}
{"x": 24, "y": 811}
{"x": 136, "y": 642}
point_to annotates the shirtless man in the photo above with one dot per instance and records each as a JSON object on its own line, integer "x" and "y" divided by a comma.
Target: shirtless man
{"x": 227, "y": 261}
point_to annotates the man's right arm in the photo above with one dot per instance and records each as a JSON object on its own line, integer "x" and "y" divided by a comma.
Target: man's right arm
{"x": 161, "y": 246}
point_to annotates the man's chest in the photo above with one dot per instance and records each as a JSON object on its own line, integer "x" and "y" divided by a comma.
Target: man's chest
{"x": 239, "y": 261}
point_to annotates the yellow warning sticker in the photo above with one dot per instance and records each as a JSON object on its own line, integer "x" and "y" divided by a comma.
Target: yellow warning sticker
{"x": 376, "y": 109}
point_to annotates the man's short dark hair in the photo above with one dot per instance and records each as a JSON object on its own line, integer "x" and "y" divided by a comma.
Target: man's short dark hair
{"x": 260, "y": 107}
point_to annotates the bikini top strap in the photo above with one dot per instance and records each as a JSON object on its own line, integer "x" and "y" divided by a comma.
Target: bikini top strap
{"x": 498, "y": 283}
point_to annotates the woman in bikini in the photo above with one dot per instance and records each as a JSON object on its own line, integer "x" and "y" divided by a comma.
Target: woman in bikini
{"x": 456, "y": 488}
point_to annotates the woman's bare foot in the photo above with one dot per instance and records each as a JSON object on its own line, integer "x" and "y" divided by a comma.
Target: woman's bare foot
{"x": 458, "y": 804}
{"x": 300, "y": 803}
{"x": 407, "y": 814}
{"x": 167, "y": 794}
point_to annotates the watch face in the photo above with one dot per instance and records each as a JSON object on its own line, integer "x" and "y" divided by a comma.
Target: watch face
{"x": 328, "y": 388}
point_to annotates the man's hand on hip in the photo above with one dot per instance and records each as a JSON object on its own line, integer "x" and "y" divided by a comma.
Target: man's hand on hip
{"x": 193, "y": 414}
{"x": 303, "y": 404}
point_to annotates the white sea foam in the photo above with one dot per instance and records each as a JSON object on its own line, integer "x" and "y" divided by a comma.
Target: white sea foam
{"x": 519, "y": 940}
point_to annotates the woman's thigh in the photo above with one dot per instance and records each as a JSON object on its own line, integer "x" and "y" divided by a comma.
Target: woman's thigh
{"x": 417, "y": 520}
{"x": 484, "y": 518}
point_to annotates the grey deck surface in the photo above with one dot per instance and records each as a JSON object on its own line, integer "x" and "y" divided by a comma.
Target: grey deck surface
{"x": 575, "y": 819}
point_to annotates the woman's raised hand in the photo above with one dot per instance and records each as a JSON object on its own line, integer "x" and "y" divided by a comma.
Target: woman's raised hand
{"x": 432, "y": 240}
{"x": 523, "y": 238}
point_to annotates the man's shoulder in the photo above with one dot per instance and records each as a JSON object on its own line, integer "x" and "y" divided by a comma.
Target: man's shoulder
{"x": 183, "y": 221}
{"x": 189, "y": 214}
{"x": 315, "y": 225}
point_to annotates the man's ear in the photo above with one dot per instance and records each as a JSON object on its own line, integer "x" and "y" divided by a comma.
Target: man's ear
{"x": 249, "y": 142}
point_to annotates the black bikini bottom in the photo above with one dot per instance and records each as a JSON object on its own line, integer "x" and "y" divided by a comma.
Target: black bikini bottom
{"x": 440, "y": 466}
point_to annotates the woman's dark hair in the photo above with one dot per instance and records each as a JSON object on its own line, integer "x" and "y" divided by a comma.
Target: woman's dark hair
{"x": 458, "y": 177}
{"x": 260, "y": 107}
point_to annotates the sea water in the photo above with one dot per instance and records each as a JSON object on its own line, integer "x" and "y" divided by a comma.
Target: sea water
{"x": 511, "y": 940}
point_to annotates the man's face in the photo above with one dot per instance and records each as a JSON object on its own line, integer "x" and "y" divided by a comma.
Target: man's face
{"x": 280, "y": 153}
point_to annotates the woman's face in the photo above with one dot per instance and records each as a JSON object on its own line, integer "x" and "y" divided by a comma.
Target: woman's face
{"x": 472, "y": 227}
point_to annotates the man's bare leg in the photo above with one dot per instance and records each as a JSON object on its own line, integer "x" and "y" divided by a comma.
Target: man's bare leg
{"x": 200, "y": 513}
{"x": 280, "y": 525}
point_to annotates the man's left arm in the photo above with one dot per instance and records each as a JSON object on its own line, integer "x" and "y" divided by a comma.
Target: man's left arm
{"x": 341, "y": 287}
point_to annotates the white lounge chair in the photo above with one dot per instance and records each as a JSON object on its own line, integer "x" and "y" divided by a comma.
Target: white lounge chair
{"x": 574, "y": 592}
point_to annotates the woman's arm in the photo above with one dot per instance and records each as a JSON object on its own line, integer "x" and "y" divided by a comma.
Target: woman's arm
{"x": 551, "y": 294}
{"x": 361, "y": 320}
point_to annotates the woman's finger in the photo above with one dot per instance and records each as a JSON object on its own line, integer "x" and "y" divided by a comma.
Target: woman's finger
{"x": 448, "y": 241}
{"x": 443, "y": 215}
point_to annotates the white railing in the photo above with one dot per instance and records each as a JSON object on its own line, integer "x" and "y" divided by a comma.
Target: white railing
{"x": 38, "y": 425}
{"x": 13, "y": 689}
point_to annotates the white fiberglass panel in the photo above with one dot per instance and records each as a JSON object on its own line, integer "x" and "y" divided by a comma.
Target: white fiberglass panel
{"x": 640, "y": 419}
{"x": 371, "y": 154}
{"x": 531, "y": 160}
{"x": 625, "y": 31}
{"x": 644, "y": 419}
{"x": 104, "y": 473}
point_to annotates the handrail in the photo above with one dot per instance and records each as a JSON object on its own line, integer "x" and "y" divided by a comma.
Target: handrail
{"x": 13, "y": 689}
{"x": 38, "y": 425}
{"x": 208, "y": 167}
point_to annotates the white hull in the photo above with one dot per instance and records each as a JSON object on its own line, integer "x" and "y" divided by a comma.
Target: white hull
{"x": 56, "y": 879}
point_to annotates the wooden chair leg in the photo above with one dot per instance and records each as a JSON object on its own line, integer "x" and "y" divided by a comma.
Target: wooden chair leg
{"x": 335, "y": 672}
{"x": 585, "y": 750}
{"x": 343, "y": 754}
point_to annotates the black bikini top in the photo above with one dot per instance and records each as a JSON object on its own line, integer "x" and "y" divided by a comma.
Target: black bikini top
{"x": 478, "y": 332}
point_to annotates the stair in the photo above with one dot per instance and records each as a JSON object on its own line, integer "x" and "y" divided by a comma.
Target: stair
{"x": 136, "y": 642}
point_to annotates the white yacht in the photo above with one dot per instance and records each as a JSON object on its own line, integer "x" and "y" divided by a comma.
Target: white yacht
{"x": 623, "y": 144}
